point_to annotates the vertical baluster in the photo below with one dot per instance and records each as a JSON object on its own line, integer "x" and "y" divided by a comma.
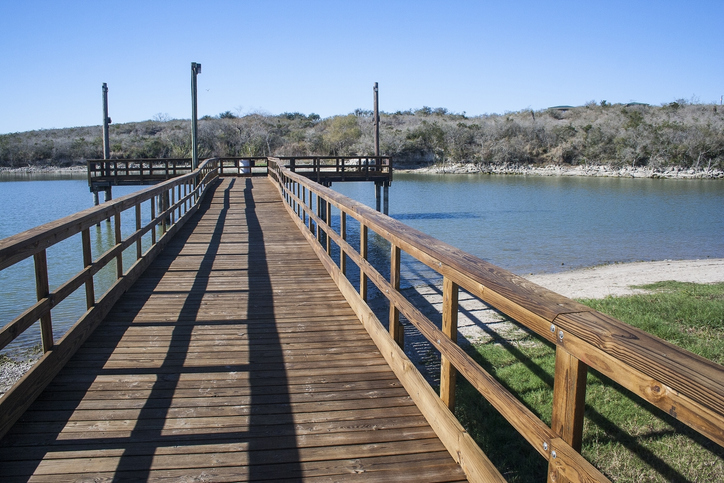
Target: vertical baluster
{"x": 569, "y": 398}
{"x": 363, "y": 253}
{"x": 328, "y": 214}
{"x": 139, "y": 248}
{"x": 317, "y": 229}
{"x": 119, "y": 258}
{"x": 450, "y": 329}
{"x": 172, "y": 215}
{"x": 396, "y": 330}
{"x": 164, "y": 207}
{"x": 90, "y": 296}
{"x": 302, "y": 201}
{"x": 153, "y": 217}
{"x": 343, "y": 234}
{"x": 311, "y": 209}
{"x": 42, "y": 289}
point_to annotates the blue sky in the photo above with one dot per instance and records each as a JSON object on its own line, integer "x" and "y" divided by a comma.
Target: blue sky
{"x": 324, "y": 56}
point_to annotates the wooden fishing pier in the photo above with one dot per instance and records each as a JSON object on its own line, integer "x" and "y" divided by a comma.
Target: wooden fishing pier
{"x": 232, "y": 346}
{"x": 103, "y": 174}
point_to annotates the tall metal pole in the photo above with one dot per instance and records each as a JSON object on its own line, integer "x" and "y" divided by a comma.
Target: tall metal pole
{"x": 377, "y": 121}
{"x": 106, "y": 121}
{"x": 195, "y": 70}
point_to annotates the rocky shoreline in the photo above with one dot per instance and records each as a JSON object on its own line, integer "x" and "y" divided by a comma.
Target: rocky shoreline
{"x": 603, "y": 171}
{"x": 557, "y": 170}
{"x": 45, "y": 169}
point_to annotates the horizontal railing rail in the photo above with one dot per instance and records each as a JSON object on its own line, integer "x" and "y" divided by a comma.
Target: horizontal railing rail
{"x": 171, "y": 204}
{"x": 683, "y": 385}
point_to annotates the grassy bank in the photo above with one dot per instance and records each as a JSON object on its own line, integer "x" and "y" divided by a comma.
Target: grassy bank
{"x": 625, "y": 440}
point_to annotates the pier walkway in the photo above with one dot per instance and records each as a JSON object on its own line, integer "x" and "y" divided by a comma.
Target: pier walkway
{"x": 233, "y": 357}
{"x": 235, "y": 343}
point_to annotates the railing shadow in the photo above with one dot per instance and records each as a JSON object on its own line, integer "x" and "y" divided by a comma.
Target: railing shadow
{"x": 283, "y": 461}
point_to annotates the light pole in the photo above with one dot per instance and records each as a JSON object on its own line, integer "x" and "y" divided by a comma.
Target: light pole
{"x": 376, "y": 120}
{"x": 195, "y": 70}
{"x": 106, "y": 122}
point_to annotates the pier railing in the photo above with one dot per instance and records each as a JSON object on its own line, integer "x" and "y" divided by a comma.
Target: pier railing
{"x": 341, "y": 168}
{"x": 683, "y": 385}
{"x": 103, "y": 173}
{"x": 167, "y": 207}
{"x": 135, "y": 171}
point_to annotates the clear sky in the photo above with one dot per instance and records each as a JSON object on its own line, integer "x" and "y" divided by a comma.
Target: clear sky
{"x": 324, "y": 56}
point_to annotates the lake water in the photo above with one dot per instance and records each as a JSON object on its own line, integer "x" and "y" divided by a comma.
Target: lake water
{"x": 549, "y": 224}
{"x": 523, "y": 224}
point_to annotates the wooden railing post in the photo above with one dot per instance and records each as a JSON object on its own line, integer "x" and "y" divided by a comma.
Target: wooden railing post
{"x": 153, "y": 217}
{"x": 310, "y": 204}
{"x": 396, "y": 330}
{"x": 448, "y": 373}
{"x": 318, "y": 229}
{"x": 569, "y": 398}
{"x": 139, "y": 248}
{"x": 165, "y": 205}
{"x": 172, "y": 203}
{"x": 328, "y": 217}
{"x": 343, "y": 234}
{"x": 119, "y": 239}
{"x": 42, "y": 289}
{"x": 363, "y": 231}
{"x": 90, "y": 296}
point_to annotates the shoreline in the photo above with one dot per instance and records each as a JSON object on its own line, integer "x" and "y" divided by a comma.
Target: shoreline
{"x": 602, "y": 171}
{"x": 45, "y": 169}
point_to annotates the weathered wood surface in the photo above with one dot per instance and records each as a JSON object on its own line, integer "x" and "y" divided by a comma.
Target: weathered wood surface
{"x": 230, "y": 359}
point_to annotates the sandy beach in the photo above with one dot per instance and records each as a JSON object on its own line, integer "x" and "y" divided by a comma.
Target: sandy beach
{"x": 618, "y": 279}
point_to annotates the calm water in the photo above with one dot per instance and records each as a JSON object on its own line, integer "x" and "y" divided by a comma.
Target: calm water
{"x": 540, "y": 224}
{"x": 523, "y": 224}
{"x": 29, "y": 200}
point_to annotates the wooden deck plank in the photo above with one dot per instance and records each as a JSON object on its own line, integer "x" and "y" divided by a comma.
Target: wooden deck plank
{"x": 234, "y": 358}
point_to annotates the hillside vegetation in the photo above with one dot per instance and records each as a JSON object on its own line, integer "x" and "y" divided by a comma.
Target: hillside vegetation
{"x": 681, "y": 133}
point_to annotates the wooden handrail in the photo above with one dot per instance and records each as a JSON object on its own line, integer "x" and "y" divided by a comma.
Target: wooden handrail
{"x": 684, "y": 385}
{"x": 185, "y": 191}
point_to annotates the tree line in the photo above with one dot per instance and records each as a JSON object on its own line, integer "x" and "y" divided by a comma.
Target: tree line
{"x": 680, "y": 133}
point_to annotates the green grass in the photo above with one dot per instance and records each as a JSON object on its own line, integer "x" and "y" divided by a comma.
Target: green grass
{"x": 625, "y": 438}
